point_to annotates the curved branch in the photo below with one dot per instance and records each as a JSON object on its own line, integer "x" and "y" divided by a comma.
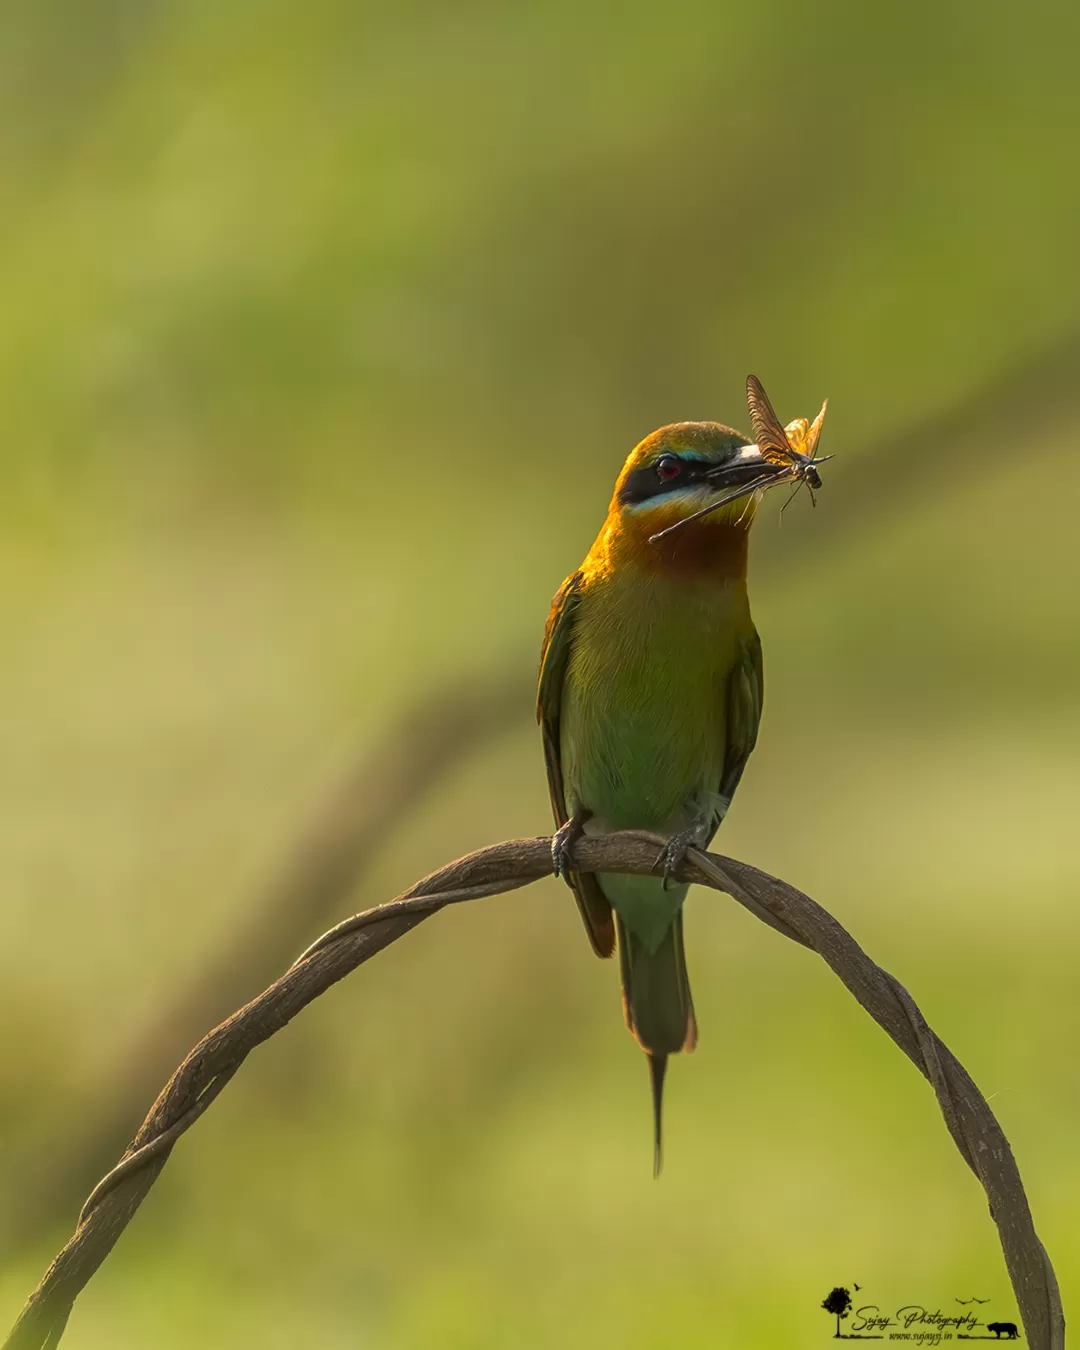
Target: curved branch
{"x": 503, "y": 867}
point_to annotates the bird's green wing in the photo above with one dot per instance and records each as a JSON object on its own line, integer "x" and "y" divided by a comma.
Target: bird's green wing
{"x": 745, "y": 693}
{"x": 558, "y": 635}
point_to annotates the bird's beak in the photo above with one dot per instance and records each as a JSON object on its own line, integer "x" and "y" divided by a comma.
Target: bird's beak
{"x": 747, "y": 471}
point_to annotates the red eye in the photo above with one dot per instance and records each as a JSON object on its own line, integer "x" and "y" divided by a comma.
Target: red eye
{"x": 668, "y": 467}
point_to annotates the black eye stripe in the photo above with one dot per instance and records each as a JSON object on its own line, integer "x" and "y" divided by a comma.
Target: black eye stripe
{"x": 645, "y": 482}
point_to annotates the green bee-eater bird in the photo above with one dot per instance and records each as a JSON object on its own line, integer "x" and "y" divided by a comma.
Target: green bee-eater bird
{"x": 651, "y": 689}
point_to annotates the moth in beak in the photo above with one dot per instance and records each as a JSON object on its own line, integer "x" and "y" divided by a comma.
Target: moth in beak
{"x": 793, "y": 446}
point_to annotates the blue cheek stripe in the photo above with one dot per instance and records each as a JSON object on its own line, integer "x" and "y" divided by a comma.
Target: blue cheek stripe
{"x": 696, "y": 493}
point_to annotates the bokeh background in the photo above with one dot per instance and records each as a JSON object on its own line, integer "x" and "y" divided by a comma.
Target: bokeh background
{"x": 324, "y": 329}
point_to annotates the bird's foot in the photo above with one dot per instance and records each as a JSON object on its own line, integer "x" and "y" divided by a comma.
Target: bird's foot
{"x": 674, "y": 853}
{"x": 562, "y": 844}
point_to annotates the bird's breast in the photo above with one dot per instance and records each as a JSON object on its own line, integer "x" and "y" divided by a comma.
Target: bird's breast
{"x": 644, "y": 716}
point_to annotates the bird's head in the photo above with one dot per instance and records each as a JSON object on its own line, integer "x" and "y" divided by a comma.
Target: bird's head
{"x": 684, "y": 468}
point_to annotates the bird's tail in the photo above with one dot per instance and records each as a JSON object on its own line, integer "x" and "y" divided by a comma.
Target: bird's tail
{"x": 658, "y": 1008}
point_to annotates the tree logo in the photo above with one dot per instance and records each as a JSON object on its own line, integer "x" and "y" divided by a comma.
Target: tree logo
{"x": 839, "y": 1304}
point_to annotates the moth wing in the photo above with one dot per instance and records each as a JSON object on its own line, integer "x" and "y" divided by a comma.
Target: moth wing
{"x": 769, "y": 434}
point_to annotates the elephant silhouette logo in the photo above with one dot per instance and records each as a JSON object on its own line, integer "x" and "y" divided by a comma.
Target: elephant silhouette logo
{"x": 1006, "y": 1329}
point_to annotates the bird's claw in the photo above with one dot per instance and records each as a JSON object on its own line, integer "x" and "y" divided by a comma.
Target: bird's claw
{"x": 562, "y": 843}
{"x": 674, "y": 854}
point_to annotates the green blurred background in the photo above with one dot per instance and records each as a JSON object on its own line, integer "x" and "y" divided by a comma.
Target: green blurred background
{"x": 324, "y": 329}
